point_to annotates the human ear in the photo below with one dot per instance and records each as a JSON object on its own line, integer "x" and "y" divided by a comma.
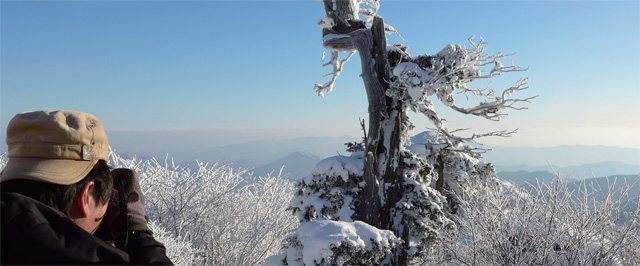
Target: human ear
{"x": 83, "y": 201}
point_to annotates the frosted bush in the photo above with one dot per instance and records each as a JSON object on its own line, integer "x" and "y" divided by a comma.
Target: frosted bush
{"x": 229, "y": 216}
{"x": 548, "y": 224}
{"x": 3, "y": 160}
{"x": 458, "y": 168}
{"x": 180, "y": 251}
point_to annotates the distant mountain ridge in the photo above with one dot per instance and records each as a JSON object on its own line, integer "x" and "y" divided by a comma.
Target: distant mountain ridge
{"x": 524, "y": 177}
{"x": 561, "y": 155}
{"x": 302, "y": 153}
{"x": 247, "y": 154}
{"x": 586, "y": 171}
{"x": 583, "y": 171}
{"x": 294, "y": 166}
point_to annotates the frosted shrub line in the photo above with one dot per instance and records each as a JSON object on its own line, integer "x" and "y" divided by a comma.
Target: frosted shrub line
{"x": 548, "y": 224}
{"x": 499, "y": 224}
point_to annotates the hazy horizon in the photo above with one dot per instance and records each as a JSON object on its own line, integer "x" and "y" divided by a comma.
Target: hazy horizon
{"x": 224, "y": 137}
{"x": 267, "y": 152}
{"x": 143, "y": 140}
{"x": 202, "y": 145}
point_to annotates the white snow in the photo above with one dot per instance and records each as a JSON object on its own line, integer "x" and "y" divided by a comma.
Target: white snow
{"x": 329, "y": 37}
{"x": 316, "y": 201}
{"x": 326, "y": 22}
{"x": 340, "y": 166}
{"x": 318, "y": 237}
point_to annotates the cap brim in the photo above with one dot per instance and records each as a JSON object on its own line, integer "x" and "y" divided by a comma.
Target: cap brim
{"x": 62, "y": 172}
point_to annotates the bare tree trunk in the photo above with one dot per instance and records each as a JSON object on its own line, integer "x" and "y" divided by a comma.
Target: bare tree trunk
{"x": 440, "y": 169}
{"x": 382, "y": 147}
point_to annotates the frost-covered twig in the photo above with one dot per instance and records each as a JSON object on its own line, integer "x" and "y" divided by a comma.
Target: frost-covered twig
{"x": 364, "y": 129}
{"x": 337, "y": 64}
{"x": 427, "y": 109}
{"x": 492, "y": 109}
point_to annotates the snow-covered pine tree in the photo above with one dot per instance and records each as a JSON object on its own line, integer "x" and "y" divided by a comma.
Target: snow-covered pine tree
{"x": 389, "y": 185}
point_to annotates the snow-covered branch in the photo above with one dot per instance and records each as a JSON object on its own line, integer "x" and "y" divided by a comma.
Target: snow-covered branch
{"x": 343, "y": 12}
{"x": 492, "y": 109}
{"x": 342, "y": 28}
{"x": 449, "y": 71}
{"x": 337, "y": 64}
{"x": 416, "y": 78}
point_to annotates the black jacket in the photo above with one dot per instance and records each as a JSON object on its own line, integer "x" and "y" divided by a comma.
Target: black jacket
{"x": 34, "y": 233}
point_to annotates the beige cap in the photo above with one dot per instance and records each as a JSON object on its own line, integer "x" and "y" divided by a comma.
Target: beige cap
{"x": 58, "y": 147}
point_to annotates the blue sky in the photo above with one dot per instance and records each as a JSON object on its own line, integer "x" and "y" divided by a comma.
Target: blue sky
{"x": 245, "y": 69}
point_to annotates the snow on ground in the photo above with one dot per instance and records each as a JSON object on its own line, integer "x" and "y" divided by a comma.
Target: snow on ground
{"x": 341, "y": 166}
{"x": 317, "y": 241}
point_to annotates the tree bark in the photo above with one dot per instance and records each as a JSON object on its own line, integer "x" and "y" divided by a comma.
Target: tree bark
{"x": 343, "y": 12}
{"x": 440, "y": 181}
{"x": 383, "y": 181}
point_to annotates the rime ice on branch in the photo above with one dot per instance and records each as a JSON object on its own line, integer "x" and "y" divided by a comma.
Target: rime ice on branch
{"x": 415, "y": 79}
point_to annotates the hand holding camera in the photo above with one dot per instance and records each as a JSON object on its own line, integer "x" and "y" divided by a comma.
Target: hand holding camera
{"x": 125, "y": 214}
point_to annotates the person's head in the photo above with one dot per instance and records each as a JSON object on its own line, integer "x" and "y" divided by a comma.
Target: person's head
{"x": 60, "y": 159}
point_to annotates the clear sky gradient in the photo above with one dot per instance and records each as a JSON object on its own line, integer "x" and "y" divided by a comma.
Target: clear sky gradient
{"x": 246, "y": 69}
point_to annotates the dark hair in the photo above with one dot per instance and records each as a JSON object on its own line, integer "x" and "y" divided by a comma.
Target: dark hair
{"x": 61, "y": 197}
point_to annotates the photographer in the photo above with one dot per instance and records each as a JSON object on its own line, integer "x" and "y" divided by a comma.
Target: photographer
{"x": 62, "y": 204}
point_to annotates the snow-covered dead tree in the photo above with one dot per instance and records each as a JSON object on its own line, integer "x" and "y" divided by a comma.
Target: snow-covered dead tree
{"x": 388, "y": 186}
